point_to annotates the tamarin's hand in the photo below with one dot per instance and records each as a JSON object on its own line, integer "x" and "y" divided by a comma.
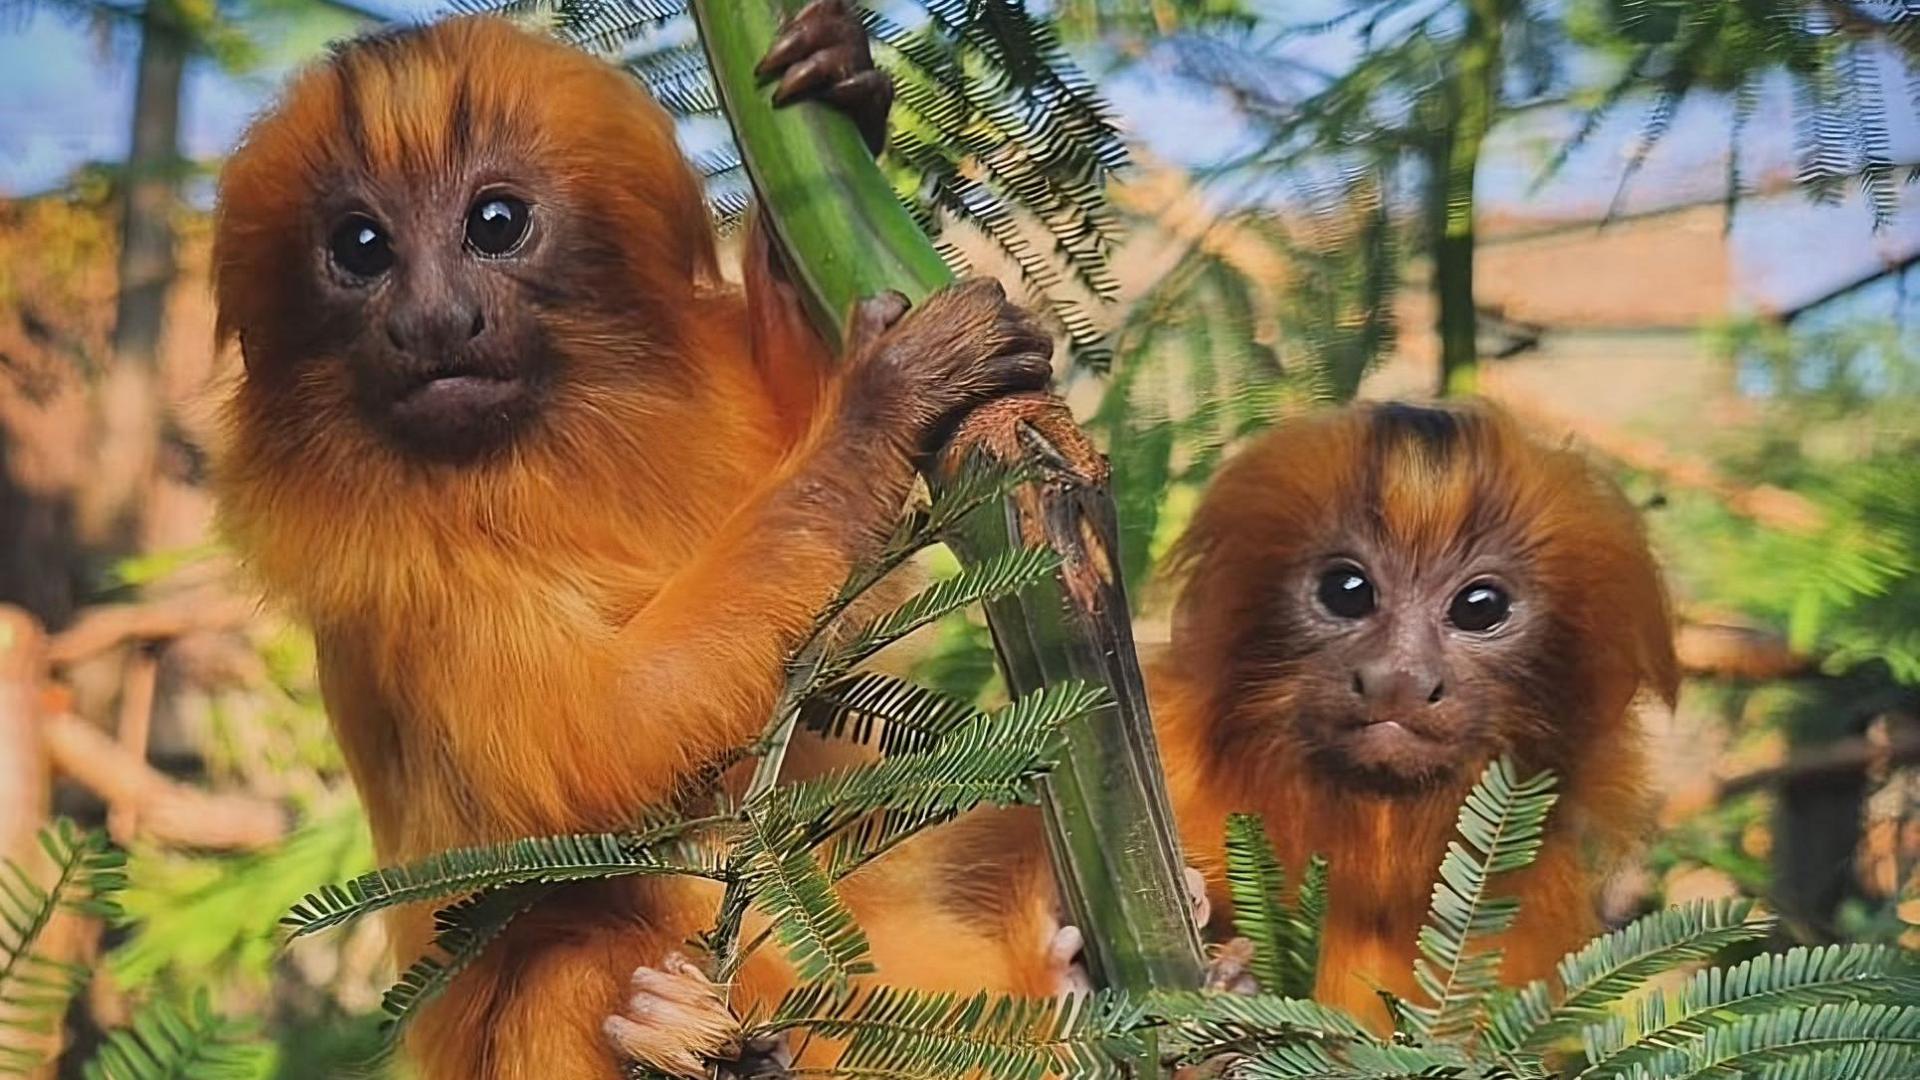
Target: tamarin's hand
{"x": 675, "y": 1020}
{"x": 821, "y": 54}
{"x": 917, "y": 376}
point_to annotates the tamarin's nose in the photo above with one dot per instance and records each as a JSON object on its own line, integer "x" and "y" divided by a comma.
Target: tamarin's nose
{"x": 428, "y": 329}
{"x": 1395, "y": 684}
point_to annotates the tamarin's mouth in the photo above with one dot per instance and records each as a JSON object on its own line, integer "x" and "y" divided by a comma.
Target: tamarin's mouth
{"x": 455, "y": 393}
{"x": 456, "y": 415}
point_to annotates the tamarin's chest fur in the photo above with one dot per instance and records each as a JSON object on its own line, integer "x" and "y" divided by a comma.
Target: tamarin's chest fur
{"x": 1384, "y": 855}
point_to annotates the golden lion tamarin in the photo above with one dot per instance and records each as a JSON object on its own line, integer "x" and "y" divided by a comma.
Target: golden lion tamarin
{"x": 556, "y": 501}
{"x": 1373, "y": 604}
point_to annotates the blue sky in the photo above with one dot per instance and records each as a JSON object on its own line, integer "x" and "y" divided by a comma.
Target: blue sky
{"x": 65, "y": 94}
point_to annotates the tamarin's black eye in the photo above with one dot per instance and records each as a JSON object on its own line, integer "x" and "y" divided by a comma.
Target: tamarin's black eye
{"x": 496, "y": 225}
{"x": 360, "y": 247}
{"x": 1479, "y": 607}
{"x": 1346, "y": 592}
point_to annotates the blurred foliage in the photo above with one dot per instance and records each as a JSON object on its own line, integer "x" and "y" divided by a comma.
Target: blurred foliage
{"x": 1836, "y": 424}
{"x": 1217, "y": 347}
{"x": 1849, "y": 64}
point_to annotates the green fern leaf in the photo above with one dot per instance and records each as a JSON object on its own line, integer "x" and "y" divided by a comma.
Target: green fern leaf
{"x": 977, "y": 481}
{"x": 1202, "y": 1025}
{"x": 1778, "y": 1040}
{"x": 788, "y": 885}
{"x": 996, "y": 577}
{"x": 1860, "y": 1061}
{"x": 1720, "y": 1004}
{"x": 462, "y": 932}
{"x": 992, "y": 760}
{"x": 165, "y": 1043}
{"x": 1501, "y": 823}
{"x": 885, "y": 712}
{"x": 910, "y": 1033}
{"x": 1309, "y": 923}
{"x": 1611, "y": 967}
{"x": 470, "y": 870}
{"x": 1363, "y": 1061}
{"x": 1257, "y": 883}
{"x": 86, "y": 874}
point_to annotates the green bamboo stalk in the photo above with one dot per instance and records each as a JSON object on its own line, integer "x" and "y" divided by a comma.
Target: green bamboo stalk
{"x": 826, "y": 200}
{"x": 847, "y": 237}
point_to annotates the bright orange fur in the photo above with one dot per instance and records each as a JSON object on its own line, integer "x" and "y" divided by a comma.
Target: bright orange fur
{"x": 551, "y": 640}
{"x": 1276, "y": 505}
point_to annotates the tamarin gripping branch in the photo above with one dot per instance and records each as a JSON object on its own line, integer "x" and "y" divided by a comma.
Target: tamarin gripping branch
{"x": 1375, "y": 603}
{"x": 556, "y": 502}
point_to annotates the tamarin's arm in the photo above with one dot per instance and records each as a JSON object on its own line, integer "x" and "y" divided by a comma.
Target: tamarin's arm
{"x": 703, "y": 658}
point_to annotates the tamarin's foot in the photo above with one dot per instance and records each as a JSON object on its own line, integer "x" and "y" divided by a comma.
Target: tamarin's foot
{"x": 1228, "y": 968}
{"x": 1066, "y": 945}
{"x": 1066, "y": 949}
{"x": 676, "y": 1021}
{"x": 821, "y": 54}
{"x": 1197, "y": 896}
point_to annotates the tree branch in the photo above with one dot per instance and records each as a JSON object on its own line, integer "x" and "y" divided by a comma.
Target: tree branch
{"x": 107, "y": 626}
{"x": 167, "y": 811}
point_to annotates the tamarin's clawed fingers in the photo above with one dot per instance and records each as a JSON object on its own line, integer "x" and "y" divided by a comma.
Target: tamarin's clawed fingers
{"x": 675, "y": 1020}
{"x": 1227, "y": 967}
{"x": 822, "y": 54}
{"x": 872, "y": 317}
{"x": 963, "y": 347}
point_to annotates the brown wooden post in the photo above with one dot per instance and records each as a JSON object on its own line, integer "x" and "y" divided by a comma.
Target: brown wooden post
{"x": 26, "y": 785}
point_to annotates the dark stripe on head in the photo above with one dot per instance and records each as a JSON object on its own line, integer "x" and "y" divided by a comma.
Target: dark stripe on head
{"x": 380, "y": 46}
{"x": 1393, "y": 428}
{"x": 1437, "y": 431}
{"x": 460, "y": 124}
{"x": 350, "y": 115}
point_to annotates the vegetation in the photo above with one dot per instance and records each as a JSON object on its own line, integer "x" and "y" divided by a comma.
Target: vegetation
{"x": 1351, "y": 180}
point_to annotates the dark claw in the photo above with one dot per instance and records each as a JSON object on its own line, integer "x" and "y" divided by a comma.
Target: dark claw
{"x": 764, "y": 1059}
{"x": 820, "y": 25}
{"x": 817, "y": 76}
{"x": 822, "y": 54}
{"x": 873, "y": 316}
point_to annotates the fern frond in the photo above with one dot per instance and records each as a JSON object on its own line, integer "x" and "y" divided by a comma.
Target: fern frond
{"x": 977, "y": 481}
{"x": 1501, "y": 823}
{"x": 1205, "y": 1024}
{"x": 461, "y": 933}
{"x": 1777, "y": 1040}
{"x": 1861, "y": 1061}
{"x": 992, "y": 760}
{"x": 1285, "y": 943}
{"x": 165, "y": 1043}
{"x": 875, "y": 835}
{"x": 469, "y": 870}
{"x": 1801, "y": 982}
{"x": 912, "y": 1033}
{"x": 1609, "y": 968}
{"x": 994, "y": 578}
{"x": 788, "y": 885}
{"x": 1363, "y": 1061}
{"x": 1257, "y": 882}
{"x": 1310, "y": 922}
{"x": 885, "y": 712}
{"x": 86, "y": 874}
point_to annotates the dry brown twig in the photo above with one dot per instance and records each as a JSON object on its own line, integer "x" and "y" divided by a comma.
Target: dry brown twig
{"x": 167, "y": 811}
{"x": 107, "y": 626}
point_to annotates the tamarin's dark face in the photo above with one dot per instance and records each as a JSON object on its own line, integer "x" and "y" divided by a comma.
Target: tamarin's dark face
{"x": 425, "y": 296}
{"x": 443, "y": 234}
{"x": 1399, "y": 593}
{"x": 1403, "y": 669}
